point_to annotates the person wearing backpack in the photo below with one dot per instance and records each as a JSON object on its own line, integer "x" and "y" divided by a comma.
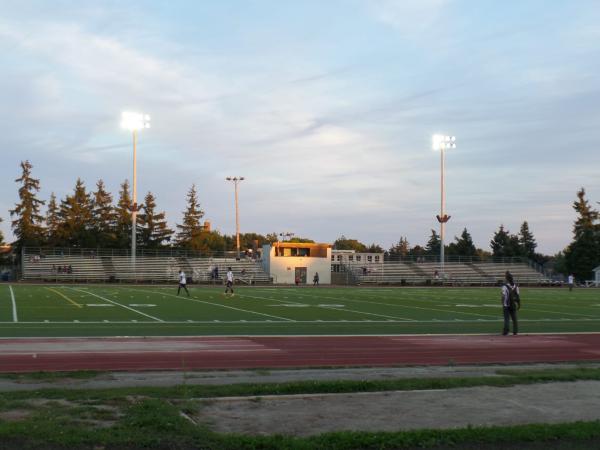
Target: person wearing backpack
{"x": 511, "y": 303}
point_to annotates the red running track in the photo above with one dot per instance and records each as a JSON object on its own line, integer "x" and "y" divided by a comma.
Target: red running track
{"x": 67, "y": 354}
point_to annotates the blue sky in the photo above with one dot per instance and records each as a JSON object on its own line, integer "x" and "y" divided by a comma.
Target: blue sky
{"x": 327, "y": 109}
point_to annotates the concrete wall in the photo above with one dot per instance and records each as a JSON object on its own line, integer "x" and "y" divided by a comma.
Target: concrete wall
{"x": 282, "y": 268}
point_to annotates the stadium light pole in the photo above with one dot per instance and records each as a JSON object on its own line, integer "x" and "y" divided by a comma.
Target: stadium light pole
{"x": 236, "y": 181}
{"x": 441, "y": 143}
{"x": 134, "y": 122}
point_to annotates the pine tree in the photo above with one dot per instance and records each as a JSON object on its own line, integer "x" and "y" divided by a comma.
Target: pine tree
{"x": 527, "y": 242}
{"x": 27, "y": 225}
{"x": 154, "y": 230}
{"x": 103, "y": 217}
{"x": 583, "y": 254}
{"x": 504, "y": 244}
{"x": 53, "y": 223}
{"x": 464, "y": 245}
{"x": 190, "y": 231}
{"x": 76, "y": 218}
{"x": 434, "y": 244}
{"x": 400, "y": 250}
{"x": 123, "y": 217}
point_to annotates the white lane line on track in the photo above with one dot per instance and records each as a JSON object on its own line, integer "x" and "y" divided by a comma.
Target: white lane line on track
{"x": 118, "y": 304}
{"x": 14, "y": 304}
{"x": 194, "y": 299}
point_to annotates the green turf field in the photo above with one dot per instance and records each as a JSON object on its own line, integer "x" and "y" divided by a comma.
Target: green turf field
{"x": 54, "y": 310}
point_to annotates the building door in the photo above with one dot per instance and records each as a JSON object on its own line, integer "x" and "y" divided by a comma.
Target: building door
{"x": 301, "y": 274}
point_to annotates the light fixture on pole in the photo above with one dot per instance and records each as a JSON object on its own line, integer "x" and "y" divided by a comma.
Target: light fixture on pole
{"x": 287, "y": 235}
{"x": 441, "y": 143}
{"x": 235, "y": 181}
{"x": 134, "y": 122}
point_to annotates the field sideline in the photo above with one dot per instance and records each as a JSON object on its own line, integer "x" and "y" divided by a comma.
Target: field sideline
{"x": 110, "y": 310}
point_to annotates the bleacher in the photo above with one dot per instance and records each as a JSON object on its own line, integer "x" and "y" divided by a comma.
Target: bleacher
{"x": 453, "y": 273}
{"x": 91, "y": 266}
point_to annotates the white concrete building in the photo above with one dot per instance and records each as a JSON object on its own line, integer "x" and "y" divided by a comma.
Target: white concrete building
{"x": 597, "y": 276}
{"x": 288, "y": 261}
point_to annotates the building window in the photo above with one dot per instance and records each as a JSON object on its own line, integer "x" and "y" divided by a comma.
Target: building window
{"x": 369, "y": 258}
{"x": 376, "y": 258}
{"x": 350, "y": 257}
{"x": 358, "y": 258}
{"x": 339, "y": 257}
{"x": 332, "y": 257}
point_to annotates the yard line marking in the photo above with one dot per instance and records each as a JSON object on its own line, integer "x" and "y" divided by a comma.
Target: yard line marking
{"x": 14, "y": 304}
{"x": 330, "y": 307}
{"x": 194, "y": 299}
{"x": 398, "y": 305}
{"x": 65, "y": 297}
{"x": 118, "y": 304}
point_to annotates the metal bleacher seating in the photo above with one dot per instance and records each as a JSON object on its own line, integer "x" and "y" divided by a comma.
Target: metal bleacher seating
{"x": 454, "y": 273}
{"x": 103, "y": 266}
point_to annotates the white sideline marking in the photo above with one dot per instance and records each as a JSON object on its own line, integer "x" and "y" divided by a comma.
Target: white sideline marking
{"x": 194, "y": 299}
{"x": 14, "y": 304}
{"x": 99, "y": 304}
{"x": 118, "y": 304}
{"x": 141, "y": 304}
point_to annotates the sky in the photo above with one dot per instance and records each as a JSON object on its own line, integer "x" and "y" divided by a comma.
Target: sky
{"x": 327, "y": 108}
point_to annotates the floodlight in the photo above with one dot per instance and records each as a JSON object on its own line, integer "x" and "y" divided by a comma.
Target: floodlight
{"x": 133, "y": 121}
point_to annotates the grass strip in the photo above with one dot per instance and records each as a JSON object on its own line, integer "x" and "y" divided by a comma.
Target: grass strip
{"x": 153, "y": 423}
{"x": 503, "y": 378}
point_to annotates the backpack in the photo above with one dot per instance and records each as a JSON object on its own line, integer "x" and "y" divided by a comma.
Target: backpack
{"x": 513, "y": 296}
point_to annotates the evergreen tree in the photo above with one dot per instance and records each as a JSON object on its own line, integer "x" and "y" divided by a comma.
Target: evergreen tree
{"x": 400, "y": 250}
{"x": 154, "y": 230}
{"x": 123, "y": 217}
{"x": 375, "y": 248}
{"x": 104, "y": 217}
{"x": 583, "y": 254}
{"x": 504, "y": 244}
{"x": 191, "y": 230}
{"x": 53, "y": 223}
{"x": 76, "y": 218}
{"x": 527, "y": 242}
{"x": 464, "y": 245}
{"x": 1, "y": 235}
{"x": 434, "y": 244}
{"x": 27, "y": 223}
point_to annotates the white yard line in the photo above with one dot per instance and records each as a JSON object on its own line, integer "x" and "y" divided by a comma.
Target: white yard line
{"x": 395, "y": 305}
{"x": 14, "y": 304}
{"x": 404, "y": 319}
{"x": 194, "y": 299}
{"x": 116, "y": 303}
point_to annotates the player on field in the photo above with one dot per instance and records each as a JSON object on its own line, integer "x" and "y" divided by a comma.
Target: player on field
{"x": 229, "y": 285}
{"x": 511, "y": 302}
{"x": 182, "y": 283}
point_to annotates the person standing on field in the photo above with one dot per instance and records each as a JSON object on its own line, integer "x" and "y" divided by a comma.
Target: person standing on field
{"x": 182, "y": 283}
{"x": 570, "y": 281}
{"x": 316, "y": 279}
{"x": 511, "y": 303}
{"x": 229, "y": 285}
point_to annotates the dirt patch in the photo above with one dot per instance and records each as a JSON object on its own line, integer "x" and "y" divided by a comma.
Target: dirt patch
{"x": 305, "y": 415}
{"x": 15, "y": 415}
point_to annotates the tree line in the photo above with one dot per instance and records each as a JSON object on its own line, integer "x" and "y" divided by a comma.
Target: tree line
{"x": 503, "y": 244}
{"x": 92, "y": 219}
